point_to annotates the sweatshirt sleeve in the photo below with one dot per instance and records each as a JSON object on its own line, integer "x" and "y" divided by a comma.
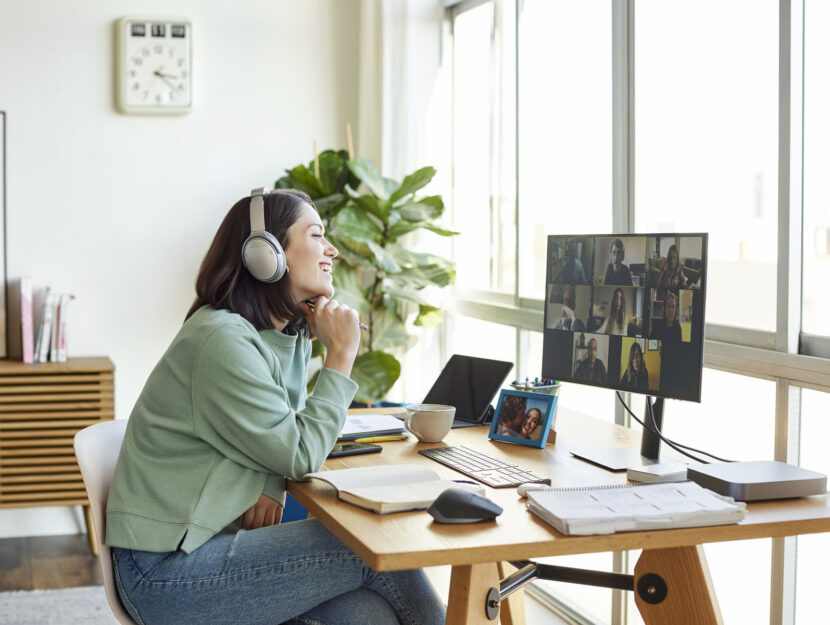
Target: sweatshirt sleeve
{"x": 242, "y": 408}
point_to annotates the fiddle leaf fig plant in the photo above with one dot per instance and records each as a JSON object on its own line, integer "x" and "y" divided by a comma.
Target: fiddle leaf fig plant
{"x": 368, "y": 217}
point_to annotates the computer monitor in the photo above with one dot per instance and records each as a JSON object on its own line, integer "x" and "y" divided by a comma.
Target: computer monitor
{"x": 625, "y": 312}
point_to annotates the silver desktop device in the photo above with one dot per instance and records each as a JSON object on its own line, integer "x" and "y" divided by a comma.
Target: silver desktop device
{"x": 757, "y": 481}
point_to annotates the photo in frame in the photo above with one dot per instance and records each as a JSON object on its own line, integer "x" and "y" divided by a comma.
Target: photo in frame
{"x": 523, "y": 417}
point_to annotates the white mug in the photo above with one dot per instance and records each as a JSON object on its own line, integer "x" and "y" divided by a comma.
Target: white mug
{"x": 429, "y": 422}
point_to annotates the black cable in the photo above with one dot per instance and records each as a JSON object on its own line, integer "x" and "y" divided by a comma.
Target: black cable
{"x": 679, "y": 447}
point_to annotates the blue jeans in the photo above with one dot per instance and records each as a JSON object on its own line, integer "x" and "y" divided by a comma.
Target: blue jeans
{"x": 295, "y": 573}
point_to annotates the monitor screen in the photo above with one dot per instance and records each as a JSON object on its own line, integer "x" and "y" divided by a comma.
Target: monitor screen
{"x": 625, "y": 312}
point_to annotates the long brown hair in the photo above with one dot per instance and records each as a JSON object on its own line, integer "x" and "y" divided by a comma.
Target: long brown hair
{"x": 224, "y": 283}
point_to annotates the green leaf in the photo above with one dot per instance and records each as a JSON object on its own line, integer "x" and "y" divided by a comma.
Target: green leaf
{"x": 354, "y": 253}
{"x": 441, "y": 231}
{"x": 329, "y": 205}
{"x": 428, "y": 316}
{"x": 385, "y": 259}
{"x": 305, "y": 180}
{"x": 369, "y": 175}
{"x": 349, "y": 290}
{"x": 395, "y": 289}
{"x": 375, "y": 372}
{"x": 423, "y": 209}
{"x": 357, "y": 225}
{"x": 412, "y": 183}
{"x": 332, "y": 166}
{"x": 312, "y": 382}
{"x": 388, "y": 329}
{"x": 379, "y": 208}
{"x": 400, "y": 229}
{"x": 419, "y": 277}
{"x": 317, "y": 348}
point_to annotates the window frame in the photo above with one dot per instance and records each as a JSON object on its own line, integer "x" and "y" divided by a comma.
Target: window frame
{"x": 788, "y": 356}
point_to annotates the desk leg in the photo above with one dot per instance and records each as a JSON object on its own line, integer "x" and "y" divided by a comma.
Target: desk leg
{"x": 90, "y": 531}
{"x": 512, "y": 610}
{"x": 469, "y": 585}
{"x": 690, "y": 597}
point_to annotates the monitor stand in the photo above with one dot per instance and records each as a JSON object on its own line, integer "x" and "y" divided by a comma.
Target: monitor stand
{"x": 622, "y": 458}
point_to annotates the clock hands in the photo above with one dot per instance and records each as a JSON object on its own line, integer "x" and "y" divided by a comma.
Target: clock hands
{"x": 165, "y": 77}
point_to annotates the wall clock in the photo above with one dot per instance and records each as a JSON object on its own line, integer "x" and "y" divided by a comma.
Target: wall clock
{"x": 153, "y": 66}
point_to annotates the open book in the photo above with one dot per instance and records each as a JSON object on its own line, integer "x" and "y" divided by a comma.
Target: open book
{"x": 389, "y": 487}
{"x": 624, "y": 507}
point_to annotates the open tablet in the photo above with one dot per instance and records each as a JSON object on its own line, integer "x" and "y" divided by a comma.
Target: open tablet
{"x": 470, "y": 384}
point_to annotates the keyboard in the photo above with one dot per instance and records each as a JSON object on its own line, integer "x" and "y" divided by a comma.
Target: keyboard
{"x": 494, "y": 472}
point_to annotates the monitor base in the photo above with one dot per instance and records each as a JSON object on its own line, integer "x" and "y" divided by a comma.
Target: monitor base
{"x": 617, "y": 459}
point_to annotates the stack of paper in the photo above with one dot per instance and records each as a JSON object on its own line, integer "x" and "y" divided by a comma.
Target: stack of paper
{"x": 363, "y": 425}
{"x": 625, "y": 508}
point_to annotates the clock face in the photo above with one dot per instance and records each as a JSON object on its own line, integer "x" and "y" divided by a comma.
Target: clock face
{"x": 154, "y": 66}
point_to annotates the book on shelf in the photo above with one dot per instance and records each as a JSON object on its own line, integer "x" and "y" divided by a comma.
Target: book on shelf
{"x": 52, "y": 326}
{"x": 362, "y": 425}
{"x": 44, "y": 337}
{"x": 630, "y": 507}
{"x": 389, "y": 488}
{"x": 21, "y": 334}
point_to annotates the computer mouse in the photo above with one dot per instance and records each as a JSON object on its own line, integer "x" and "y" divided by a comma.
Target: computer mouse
{"x": 459, "y": 505}
{"x": 523, "y": 489}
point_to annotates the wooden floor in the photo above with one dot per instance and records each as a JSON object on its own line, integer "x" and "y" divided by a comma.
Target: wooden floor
{"x": 41, "y": 562}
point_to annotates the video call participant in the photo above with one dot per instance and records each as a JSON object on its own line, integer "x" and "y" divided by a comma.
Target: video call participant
{"x": 617, "y": 274}
{"x": 568, "y": 320}
{"x": 591, "y": 368}
{"x": 667, "y": 329}
{"x": 672, "y": 275}
{"x": 618, "y": 318}
{"x": 636, "y": 374}
{"x": 572, "y": 271}
{"x": 194, "y": 509}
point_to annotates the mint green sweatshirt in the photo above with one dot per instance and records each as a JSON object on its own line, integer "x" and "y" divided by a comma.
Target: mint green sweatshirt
{"x": 222, "y": 419}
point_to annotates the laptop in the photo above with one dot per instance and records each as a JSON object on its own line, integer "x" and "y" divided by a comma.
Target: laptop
{"x": 469, "y": 384}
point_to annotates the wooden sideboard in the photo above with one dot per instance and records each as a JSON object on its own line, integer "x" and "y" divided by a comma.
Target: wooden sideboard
{"x": 42, "y": 406}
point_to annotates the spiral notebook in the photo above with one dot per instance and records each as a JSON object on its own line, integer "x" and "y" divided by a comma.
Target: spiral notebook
{"x": 629, "y": 507}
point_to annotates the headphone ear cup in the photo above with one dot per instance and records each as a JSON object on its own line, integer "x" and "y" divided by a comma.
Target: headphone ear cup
{"x": 264, "y": 257}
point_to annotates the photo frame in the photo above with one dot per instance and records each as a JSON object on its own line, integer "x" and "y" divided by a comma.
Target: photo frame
{"x": 519, "y": 411}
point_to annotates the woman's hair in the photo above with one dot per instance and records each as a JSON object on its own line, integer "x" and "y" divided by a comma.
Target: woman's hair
{"x": 224, "y": 282}
{"x": 617, "y": 315}
{"x": 673, "y": 295}
{"x": 673, "y": 248}
{"x": 629, "y": 371}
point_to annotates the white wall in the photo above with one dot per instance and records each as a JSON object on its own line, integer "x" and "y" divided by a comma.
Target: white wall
{"x": 119, "y": 209}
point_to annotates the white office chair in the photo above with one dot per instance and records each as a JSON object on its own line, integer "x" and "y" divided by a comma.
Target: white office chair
{"x": 96, "y": 448}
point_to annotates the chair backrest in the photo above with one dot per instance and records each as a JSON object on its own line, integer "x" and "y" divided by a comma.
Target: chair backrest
{"x": 96, "y": 448}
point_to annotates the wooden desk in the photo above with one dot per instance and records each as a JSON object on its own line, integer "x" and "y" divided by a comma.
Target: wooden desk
{"x": 411, "y": 540}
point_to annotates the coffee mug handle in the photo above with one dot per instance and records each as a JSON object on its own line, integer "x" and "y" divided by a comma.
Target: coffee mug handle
{"x": 407, "y": 423}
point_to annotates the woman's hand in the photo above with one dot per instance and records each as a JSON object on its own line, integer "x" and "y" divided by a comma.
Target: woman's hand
{"x": 264, "y": 512}
{"x": 338, "y": 328}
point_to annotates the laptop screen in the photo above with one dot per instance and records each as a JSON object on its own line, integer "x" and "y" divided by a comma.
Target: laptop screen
{"x": 469, "y": 384}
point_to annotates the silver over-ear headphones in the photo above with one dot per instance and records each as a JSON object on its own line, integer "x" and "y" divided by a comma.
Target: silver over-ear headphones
{"x": 262, "y": 254}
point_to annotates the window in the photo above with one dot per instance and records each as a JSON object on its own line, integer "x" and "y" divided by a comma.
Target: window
{"x": 687, "y": 138}
{"x": 706, "y": 143}
{"x": 565, "y": 139}
{"x": 816, "y": 304}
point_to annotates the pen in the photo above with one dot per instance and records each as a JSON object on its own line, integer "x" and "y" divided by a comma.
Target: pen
{"x": 380, "y": 439}
{"x": 362, "y": 325}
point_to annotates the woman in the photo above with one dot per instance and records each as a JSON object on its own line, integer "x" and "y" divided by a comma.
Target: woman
{"x": 617, "y": 320}
{"x": 530, "y": 423}
{"x": 636, "y": 374}
{"x": 194, "y": 509}
{"x": 672, "y": 275}
{"x": 667, "y": 329}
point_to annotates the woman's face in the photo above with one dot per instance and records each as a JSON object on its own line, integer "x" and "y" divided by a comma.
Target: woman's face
{"x": 673, "y": 258}
{"x": 309, "y": 257}
{"x": 671, "y": 310}
{"x": 617, "y": 300}
{"x": 636, "y": 358}
{"x": 531, "y": 421}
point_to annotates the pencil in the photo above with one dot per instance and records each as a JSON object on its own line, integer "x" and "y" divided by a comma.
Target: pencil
{"x": 381, "y": 439}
